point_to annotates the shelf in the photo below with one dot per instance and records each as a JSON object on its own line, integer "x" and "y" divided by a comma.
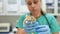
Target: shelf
{"x": 57, "y": 14}
{"x": 58, "y": 4}
{"x": 54, "y": 14}
{"x": 59, "y": 10}
{"x": 50, "y": 10}
{"x": 50, "y": 7}
{"x": 58, "y": 1}
{"x": 49, "y": 4}
{"x": 49, "y": 1}
{"x": 58, "y": 7}
{"x": 53, "y": 7}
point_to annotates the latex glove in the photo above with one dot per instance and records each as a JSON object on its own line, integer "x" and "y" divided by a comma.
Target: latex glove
{"x": 35, "y": 27}
{"x": 41, "y": 29}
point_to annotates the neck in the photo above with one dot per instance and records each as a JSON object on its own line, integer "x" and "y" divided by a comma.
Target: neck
{"x": 36, "y": 15}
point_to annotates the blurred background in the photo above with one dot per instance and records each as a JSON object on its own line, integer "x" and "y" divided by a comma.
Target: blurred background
{"x": 11, "y": 10}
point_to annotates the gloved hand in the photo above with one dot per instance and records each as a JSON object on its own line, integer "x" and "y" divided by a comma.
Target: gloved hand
{"x": 41, "y": 29}
{"x": 35, "y": 27}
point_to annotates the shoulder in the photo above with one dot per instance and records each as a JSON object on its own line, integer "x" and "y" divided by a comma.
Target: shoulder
{"x": 22, "y": 17}
{"x": 50, "y": 16}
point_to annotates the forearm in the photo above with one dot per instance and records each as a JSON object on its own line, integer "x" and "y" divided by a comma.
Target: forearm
{"x": 56, "y": 33}
{"x": 20, "y": 31}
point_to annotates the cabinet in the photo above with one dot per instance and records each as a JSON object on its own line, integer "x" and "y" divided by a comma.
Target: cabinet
{"x": 50, "y": 6}
{"x": 58, "y": 6}
{"x": 13, "y": 7}
{"x": 53, "y": 7}
{"x": 1, "y": 7}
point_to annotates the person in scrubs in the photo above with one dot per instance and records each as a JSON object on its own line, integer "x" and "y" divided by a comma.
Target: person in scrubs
{"x": 35, "y": 8}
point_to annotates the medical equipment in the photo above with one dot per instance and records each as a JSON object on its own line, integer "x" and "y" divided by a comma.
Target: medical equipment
{"x": 4, "y": 27}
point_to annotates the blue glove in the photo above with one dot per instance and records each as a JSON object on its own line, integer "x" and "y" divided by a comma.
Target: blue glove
{"x": 35, "y": 27}
{"x": 41, "y": 29}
